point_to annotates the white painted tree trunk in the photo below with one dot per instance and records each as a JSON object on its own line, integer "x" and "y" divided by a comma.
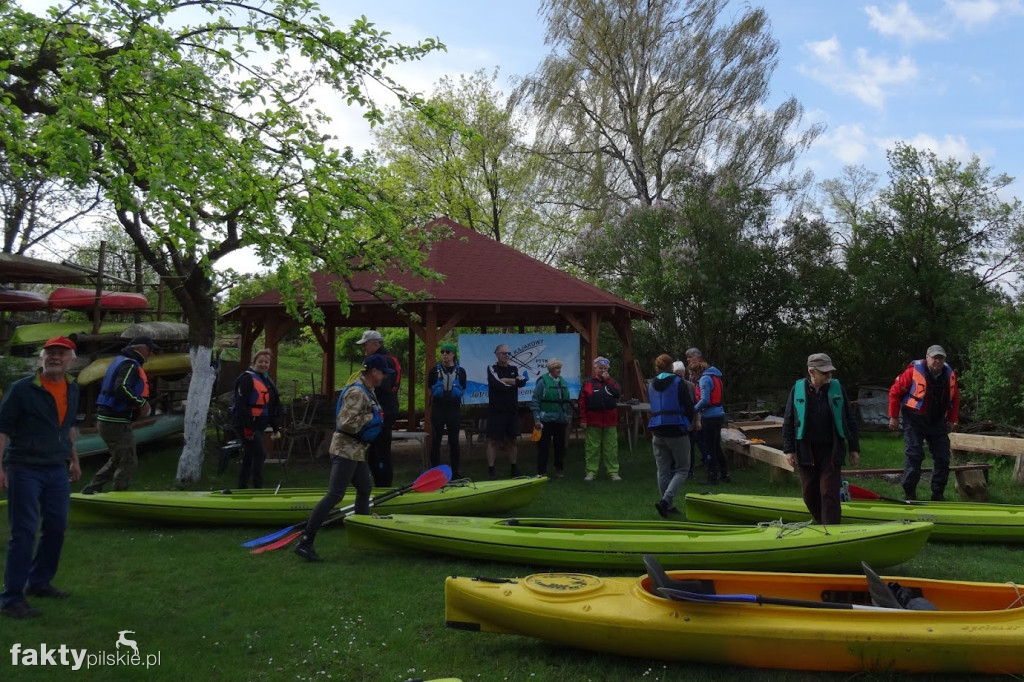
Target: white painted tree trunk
{"x": 197, "y": 407}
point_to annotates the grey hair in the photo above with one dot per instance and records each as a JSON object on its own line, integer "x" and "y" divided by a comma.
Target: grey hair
{"x": 694, "y": 353}
{"x": 42, "y": 351}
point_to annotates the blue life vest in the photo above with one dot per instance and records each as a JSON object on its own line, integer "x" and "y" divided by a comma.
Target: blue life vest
{"x": 665, "y": 407}
{"x": 372, "y": 428}
{"x": 440, "y": 390}
{"x": 108, "y": 392}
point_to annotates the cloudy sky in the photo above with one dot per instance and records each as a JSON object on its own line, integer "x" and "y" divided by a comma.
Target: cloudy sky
{"x": 938, "y": 74}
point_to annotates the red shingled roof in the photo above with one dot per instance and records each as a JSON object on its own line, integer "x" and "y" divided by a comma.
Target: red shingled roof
{"x": 478, "y": 271}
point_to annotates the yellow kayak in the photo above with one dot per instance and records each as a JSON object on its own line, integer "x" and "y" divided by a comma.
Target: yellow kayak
{"x": 161, "y": 364}
{"x": 828, "y": 626}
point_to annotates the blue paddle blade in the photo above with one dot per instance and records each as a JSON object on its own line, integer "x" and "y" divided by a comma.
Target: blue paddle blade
{"x": 269, "y": 538}
{"x": 447, "y": 471}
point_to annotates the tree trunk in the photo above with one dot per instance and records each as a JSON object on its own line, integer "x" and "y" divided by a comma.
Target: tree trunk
{"x": 197, "y": 406}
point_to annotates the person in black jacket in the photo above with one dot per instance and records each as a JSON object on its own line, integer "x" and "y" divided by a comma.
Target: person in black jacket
{"x": 124, "y": 397}
{"x": 818, "y": 427}
{"x": 447, "y": 384}
{"x": 379, "y": 456}
{"x": 255, "y": 406}
{"x": 503, "y": 429}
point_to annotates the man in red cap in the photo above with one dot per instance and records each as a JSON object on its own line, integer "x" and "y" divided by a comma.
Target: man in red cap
{"x": 39, "y": 460}
{"x": 124, "y": 397}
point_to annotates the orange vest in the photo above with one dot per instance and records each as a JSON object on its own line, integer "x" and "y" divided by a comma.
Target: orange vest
{"x": 919, "y": 386}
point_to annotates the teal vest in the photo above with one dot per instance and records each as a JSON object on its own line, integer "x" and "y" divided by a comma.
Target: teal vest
{"x": 835, "y": 400}
{"x": 555, "y": 396}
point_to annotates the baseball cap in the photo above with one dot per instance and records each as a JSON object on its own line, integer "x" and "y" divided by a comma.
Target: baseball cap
{"x": 369, "y": 335}
{"x": 935, "y": 350}
{"x": 144, "y": 341}
{"x": 820, "y": 362}
{"x": 377, "y": 362}
{"x": 60, "y": 342}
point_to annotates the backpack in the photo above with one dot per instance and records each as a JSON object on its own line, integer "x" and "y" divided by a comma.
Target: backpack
{"x": 372, "y": 428}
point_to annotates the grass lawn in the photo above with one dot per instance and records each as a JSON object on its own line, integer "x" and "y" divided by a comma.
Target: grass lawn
{"x": 215, "y": 612}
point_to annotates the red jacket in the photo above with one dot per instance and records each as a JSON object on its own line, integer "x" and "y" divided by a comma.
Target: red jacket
{"x": 910, "y": 390}
{"x": 611, "y": 394}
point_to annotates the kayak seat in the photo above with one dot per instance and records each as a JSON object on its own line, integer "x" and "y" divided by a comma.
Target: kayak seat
{"x": 657, "y": 577}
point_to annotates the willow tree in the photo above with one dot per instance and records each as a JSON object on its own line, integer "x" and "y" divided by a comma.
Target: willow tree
{"x": 478, "y": 168}
{"x": 199, "y": 123}
{"x": 636, "y": 96}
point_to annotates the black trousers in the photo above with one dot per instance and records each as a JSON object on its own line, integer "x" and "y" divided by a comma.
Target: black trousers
{"x": 552, "y": 437}
{"x": 445, "y": 417}
{"x": 343, "y": 472}
{"x": 253, "y": 456}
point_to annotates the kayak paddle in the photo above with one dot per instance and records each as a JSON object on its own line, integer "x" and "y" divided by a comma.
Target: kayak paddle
{"x": 858, "y": 493}
{"x": 696, "y": 597}
{"x": 429, "y": 480}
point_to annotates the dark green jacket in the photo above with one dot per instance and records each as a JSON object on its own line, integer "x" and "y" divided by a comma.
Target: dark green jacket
{"x": 28, "y": 417}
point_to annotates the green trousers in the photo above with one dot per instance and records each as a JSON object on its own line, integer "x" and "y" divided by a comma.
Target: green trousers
{"x": 602, "y": 441}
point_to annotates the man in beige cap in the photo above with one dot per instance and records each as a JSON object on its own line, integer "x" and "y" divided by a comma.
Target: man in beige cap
{"x": 926, "y": 395}
{"x": 818, "y": 427}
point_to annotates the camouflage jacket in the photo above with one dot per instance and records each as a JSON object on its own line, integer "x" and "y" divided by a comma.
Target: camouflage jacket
{"x": 356, "y": 412}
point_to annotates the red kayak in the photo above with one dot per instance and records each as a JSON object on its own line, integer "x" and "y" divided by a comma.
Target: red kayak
{"x": 65, "y": 297}
{"x": 18, "y": 300}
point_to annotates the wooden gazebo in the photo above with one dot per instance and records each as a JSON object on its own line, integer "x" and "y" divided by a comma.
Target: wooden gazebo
{"x": 486, "y": 284}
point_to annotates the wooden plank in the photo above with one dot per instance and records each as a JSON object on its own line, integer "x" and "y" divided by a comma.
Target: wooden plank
{"x": 885, "y": 472}
{"x": 990, "y": 445}
{"x": 762, "y": 453}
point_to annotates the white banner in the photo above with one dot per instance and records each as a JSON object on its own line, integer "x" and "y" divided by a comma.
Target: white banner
{"x": 530, "y": 354}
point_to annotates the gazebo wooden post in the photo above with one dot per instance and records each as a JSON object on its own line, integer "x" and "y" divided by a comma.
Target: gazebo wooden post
{"x": 411, "y": 382}
{"x": 593, "y": 328}
{"x": 429, "y": 359}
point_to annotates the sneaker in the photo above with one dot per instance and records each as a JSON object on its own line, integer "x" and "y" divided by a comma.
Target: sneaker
{"x": 456, "y": 475}
{"x": 559, "y": 473}
{"x": 675, "y": 510}
{"x": 90, "y": 489}
{"x": 514, "y": 471}
{"x": 20, "y": 609}
{"x": 909, "y": 493}
{"x": 938, "y": 497}
{"x": 589, "y": 477}
{"x": 616, "y": 477}
{"x": 306, "y": 551}
{"x": 47, "y": 590}
{"x": 491, "y": 473}
{"x": 662, "y": 507}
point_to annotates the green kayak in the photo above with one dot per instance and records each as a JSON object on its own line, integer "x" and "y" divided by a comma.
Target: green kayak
{"x": 264, "y": 507}
{"x": 146, "y": 431}
{"x": 586, "y": 544}
{"x": 954, "y": 521}
{"x": 37, "y": 333}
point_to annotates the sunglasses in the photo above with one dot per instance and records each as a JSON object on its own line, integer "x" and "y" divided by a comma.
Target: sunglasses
{"x": 447, "y": 351}
{"x": 505, "y": 352}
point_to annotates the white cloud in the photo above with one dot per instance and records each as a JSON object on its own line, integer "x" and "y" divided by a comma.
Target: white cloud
{"x": 869, "y": 79}
{"x": 902, "y": 23}
{"x": 979, "y": 12}
{"x": 954, "y": 146}
{"x": 848, "y": 143}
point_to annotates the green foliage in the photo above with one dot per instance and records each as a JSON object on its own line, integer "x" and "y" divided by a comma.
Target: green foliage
{"x": 926, "y": 257}
{"x": 717, "y": 276}
{"x": 475, "y": 168}
{"x": 993, "y": 387}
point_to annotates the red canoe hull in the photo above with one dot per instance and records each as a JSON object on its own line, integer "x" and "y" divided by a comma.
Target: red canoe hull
{"x": 64, "y": 297}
